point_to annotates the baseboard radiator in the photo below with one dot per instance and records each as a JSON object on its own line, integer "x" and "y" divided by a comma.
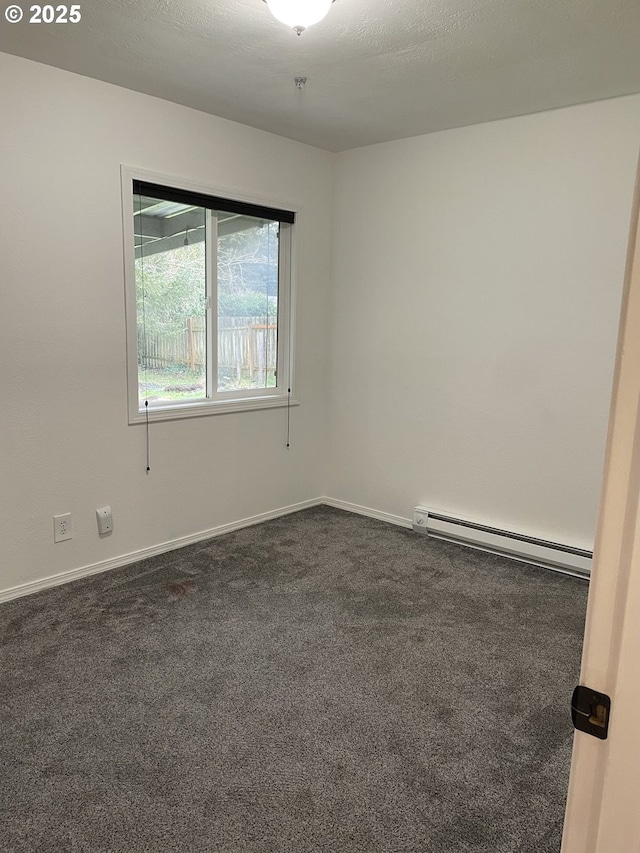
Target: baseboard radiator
{"x": 527, "y": 549}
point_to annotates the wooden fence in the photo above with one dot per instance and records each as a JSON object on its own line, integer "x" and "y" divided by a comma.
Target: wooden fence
{"x": 247, "y": 347}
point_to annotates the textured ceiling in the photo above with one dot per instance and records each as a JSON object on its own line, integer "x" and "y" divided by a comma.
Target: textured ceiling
{"x": 376, "y": 69}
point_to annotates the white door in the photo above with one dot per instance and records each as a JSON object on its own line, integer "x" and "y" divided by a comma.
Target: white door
{"x": 603, "y": 805}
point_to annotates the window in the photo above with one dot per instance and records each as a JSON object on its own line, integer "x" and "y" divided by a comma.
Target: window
{"x": 208, "y": 288}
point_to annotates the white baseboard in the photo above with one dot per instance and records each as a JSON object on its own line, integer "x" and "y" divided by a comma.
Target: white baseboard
{"x": 135, "y": 556}
{"x": 529, "y": 558}
{"x": 181, "y": 542}
{"x": 365, "y": 510}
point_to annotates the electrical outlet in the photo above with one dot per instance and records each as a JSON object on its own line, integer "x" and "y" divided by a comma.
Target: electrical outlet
{"x": 62, "y": 527}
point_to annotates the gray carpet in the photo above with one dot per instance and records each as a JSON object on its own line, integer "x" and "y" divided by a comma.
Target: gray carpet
{"x": 321, "y": 682}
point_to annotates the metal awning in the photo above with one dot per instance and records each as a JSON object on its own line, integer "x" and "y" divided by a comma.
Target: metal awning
{"x": 163, "y": 225}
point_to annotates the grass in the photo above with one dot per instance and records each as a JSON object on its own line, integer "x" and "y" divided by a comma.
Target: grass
{"x": 159, "y": 384}
{"x": 178, "y": 382}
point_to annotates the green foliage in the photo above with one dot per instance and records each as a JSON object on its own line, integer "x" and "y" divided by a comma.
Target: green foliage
{"x": 248, "y": 262}
{"x": 249, "y": 304}
{"x": 170, "y": 287}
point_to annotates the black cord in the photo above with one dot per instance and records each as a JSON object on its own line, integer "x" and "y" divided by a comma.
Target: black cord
{"x": 146, "y": 412}
{"x": 289, "y": 356}
{"x": 144, "y": 325}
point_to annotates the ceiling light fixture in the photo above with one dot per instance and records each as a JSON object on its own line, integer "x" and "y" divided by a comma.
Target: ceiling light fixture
{"x": 299, "y": 14}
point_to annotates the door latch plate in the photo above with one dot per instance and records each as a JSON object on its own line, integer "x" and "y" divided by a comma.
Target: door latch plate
{"x": 590, "y": 711}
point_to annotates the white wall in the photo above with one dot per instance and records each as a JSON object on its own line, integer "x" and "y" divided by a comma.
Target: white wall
{"x": 66, "y": 445}
{"x": 476, "y": 288}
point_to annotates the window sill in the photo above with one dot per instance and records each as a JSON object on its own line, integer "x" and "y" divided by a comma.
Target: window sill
{"x": 220, "y": 407}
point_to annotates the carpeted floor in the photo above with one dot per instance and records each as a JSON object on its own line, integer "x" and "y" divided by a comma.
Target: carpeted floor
{"x": 321, "y": 682}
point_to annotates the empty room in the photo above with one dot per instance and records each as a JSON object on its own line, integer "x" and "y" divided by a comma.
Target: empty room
{"x": 319, "y": 361}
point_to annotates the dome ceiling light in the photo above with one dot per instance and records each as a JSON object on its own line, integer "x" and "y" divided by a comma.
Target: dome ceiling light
{"x": 299, "y": 14}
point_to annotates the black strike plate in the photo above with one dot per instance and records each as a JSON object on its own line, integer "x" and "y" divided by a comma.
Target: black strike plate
{"x": 590, "y": 711}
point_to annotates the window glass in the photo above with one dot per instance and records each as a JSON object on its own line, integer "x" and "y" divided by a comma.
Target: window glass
{"x": 247, "y": 302}
{"x": 171, "y": 297}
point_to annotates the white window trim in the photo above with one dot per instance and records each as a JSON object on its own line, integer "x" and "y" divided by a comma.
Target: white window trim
{"x": 226, "y": 402}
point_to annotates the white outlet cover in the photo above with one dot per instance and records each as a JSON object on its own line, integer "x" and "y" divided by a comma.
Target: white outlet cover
{"x": 105, "y": 519}
{"x": 62, "y": 529}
